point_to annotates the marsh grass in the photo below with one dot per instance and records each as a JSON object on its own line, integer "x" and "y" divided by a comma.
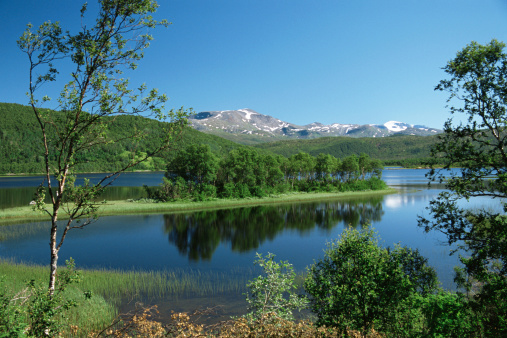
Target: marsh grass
{"x": 115, "y": 285}
{"x": 112, "y": 289}
{"x": 9, "y": 232}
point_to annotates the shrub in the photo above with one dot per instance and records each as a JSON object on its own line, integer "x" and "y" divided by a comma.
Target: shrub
{"x": 206, "y": 192}
{"x": 359, "y": 285}
{"x": 446, "y": 315}
{"x": 11, "y": 316}
{"x": 274, "y": 292}
{"x": 241, "y": 190}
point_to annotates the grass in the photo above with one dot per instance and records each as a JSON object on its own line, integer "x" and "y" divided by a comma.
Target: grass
{"x": 116, "y": 285}
{"x": 89, "y": 314}
{"x": 26, "y": 214}
{"x": 111, "y": 289}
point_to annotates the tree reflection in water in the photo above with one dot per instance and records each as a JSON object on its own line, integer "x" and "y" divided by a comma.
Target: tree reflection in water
{"x": 198, "y": 234}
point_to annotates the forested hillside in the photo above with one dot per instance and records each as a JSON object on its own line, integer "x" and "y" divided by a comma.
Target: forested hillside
{"x": 393, "y": 150}
{"x": 21, "y": 148}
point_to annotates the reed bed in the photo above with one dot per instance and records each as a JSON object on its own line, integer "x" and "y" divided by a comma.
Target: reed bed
{"x": 115, "y": 285}
{"x": 116, "y": 289}
{"x": 8, "y": 232}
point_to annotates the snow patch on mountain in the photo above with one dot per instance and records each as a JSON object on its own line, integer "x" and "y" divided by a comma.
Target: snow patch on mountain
{"x": 248, "y": 113}
{"x": 396, "y": 126}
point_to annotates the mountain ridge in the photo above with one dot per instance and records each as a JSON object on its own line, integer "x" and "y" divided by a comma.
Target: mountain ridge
{"x": 265, "y": 128}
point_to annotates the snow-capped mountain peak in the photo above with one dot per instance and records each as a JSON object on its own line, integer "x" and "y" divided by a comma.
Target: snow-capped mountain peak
{"x": 249, "y": 122}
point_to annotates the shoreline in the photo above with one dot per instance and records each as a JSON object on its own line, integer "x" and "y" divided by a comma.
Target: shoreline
{"x": 79, "y": 173}
{"x": 25, "y": 214}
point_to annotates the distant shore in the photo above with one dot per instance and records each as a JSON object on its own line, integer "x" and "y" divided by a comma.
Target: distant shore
{"x": 26, "y": 214}
{"x": 79, "y": 173}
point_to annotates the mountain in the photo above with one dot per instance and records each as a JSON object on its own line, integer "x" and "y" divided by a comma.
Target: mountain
{"x": 248, "y": 127}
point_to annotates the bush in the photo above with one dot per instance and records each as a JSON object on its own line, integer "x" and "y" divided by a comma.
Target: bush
{"x": 258, "y": 191}
{"x": 206, "y": 192}
{"x": 34, "y": 312}
{"x": 446, "y": 315}
{"x": 241, "y": 190}
{"x": 359, "y": 285}
{"x": 11, "y": 316}
{"x": 274, "y": 292}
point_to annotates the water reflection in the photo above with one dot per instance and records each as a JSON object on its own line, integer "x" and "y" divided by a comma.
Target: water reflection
{"x": 198, "y": 235}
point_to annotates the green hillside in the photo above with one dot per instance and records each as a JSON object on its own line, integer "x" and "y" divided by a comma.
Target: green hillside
{"x": 393, "y": 150}
{"x": 21, "y": 148}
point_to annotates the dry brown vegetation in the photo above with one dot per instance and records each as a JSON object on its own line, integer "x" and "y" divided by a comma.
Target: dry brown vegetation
{"x": 142, "y": 324}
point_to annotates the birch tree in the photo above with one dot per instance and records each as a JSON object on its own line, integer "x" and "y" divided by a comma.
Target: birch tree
{"x": 93, "y": 99}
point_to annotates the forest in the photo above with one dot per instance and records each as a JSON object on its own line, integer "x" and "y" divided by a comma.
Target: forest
{"x": 400, "y": 150}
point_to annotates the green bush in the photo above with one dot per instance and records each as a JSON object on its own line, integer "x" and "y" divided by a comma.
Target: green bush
{"x": 241, "y": 190}
{"x": 206, "y": 192}
{"x": 228, "y": 191}
{"x": 274, "y": 292}
{"x": 12, "y": 323}
{"x": 359, "y": 285}
{"x": 446, "y": 315}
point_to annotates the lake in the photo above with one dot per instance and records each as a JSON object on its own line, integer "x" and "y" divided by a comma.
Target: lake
{"x": 225, "y": 241}
{"x": 18, "y": 191}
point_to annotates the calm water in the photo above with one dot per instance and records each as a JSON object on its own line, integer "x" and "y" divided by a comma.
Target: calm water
{"x": 227, "y": 240}
{"x": 18, "y": 191}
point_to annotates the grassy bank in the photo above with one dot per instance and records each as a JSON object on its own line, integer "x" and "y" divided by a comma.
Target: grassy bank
{"x": 115, "y": 289}
{"x": 26, "y": 214}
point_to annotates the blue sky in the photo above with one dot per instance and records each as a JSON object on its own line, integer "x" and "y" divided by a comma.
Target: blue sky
{"x": 301, "y": 61}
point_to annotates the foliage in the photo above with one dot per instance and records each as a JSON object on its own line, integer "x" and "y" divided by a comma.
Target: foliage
{"x": 196, "y": 173}
{"x": 476, "y": 88}
{"x": 446, "y": 314}
{"x": 273, "y": 292}
{"x": 34, "y": 311}
{"x": 12, "y": 323}
{"x": 360, "y": 285}
{"x": 194, "y": 163}
{"x": 88, "y": 106}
